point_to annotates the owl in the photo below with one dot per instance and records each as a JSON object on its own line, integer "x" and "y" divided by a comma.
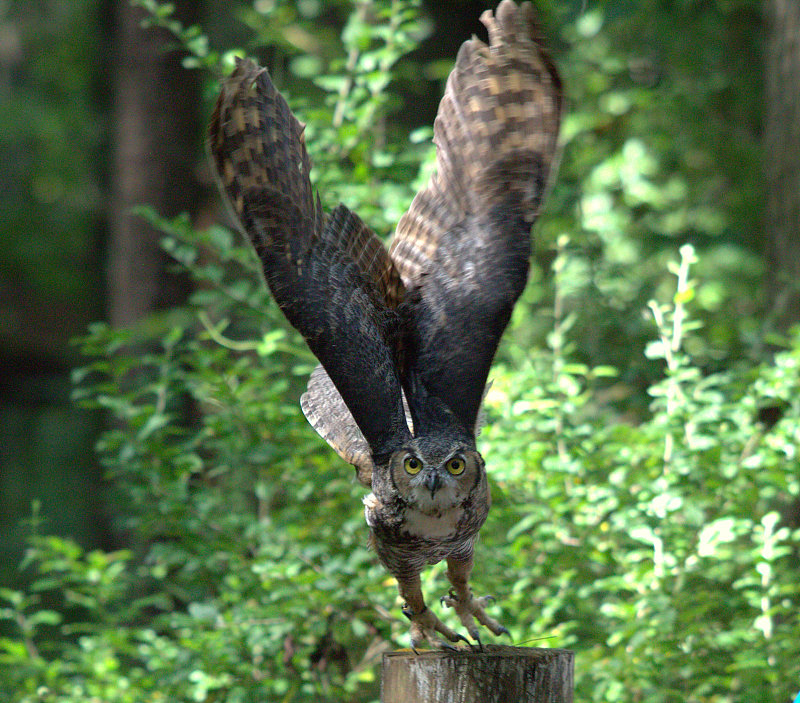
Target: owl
{"x": 405, "y": 336}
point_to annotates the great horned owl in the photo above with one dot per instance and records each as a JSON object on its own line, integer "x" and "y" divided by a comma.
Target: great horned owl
{"x": 406, "y": 337}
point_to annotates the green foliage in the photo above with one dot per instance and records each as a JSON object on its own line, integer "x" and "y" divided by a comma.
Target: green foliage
{"x": 655, "y": 550}
{"x": 662, "y": 121}
{"x": 648, "y": 541}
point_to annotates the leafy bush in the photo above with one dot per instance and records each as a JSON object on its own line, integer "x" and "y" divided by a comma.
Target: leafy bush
{"x": 655, "y": 550}
{"x": 652, "y": 543}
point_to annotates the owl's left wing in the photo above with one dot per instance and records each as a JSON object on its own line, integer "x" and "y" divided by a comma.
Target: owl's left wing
{"x": 463, "y": 246}
{"x": 331, "y": 277}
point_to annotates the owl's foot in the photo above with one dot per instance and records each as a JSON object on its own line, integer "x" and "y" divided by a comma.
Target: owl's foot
{"x": 424, "y": 629}
{"x": 469, "y": 609}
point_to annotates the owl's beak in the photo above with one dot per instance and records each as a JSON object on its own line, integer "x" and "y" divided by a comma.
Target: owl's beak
{"x": 432, "y": 482}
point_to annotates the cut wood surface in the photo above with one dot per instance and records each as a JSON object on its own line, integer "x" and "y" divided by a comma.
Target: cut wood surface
{"x": 498, "y": 674}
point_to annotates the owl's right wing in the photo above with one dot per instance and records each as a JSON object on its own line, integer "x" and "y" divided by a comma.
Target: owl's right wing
{"x": 331, "y": 277}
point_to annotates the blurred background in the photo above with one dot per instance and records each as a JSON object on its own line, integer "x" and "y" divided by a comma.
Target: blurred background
{"x": 98, "y": 115}
{"x": 683, "y": 127}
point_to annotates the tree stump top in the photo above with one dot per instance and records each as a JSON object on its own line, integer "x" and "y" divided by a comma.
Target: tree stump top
{"x": 498, "y": 674}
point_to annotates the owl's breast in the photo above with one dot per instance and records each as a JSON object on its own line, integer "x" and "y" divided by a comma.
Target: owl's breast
{"x": 406, "y": 539}
{"x": 442, "y": 525}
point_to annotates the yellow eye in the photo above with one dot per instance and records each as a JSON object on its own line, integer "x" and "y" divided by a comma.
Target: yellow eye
{"x": 456, "y": 465}
{"x": 412, "y": 465}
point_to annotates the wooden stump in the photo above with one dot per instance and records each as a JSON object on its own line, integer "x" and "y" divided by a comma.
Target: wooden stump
{"x": 498, "y": 674}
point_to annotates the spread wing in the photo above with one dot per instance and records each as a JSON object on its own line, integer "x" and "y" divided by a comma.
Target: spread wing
{"x": 325, "y": 410}
{"x": 329, "y": 416}
{"x": 463, "y": 247}
{"x": 331, "y": 277}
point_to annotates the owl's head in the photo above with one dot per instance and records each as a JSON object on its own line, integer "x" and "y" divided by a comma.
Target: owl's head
{"x": 432, "y": 476}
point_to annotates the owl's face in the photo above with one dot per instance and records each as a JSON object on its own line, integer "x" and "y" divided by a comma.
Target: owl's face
{"x": 433, "y": 478}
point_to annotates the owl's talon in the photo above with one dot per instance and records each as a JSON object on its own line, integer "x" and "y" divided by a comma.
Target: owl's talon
{"x": 477, "y": 637}
{"x": 427, "y": 628}
{"x": 471, "y": 609}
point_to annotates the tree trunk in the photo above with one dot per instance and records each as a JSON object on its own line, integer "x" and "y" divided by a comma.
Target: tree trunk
{"x": 782, "y": 160}
{"x": 498, "y": 674}
{"x": 155, "y": 134}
